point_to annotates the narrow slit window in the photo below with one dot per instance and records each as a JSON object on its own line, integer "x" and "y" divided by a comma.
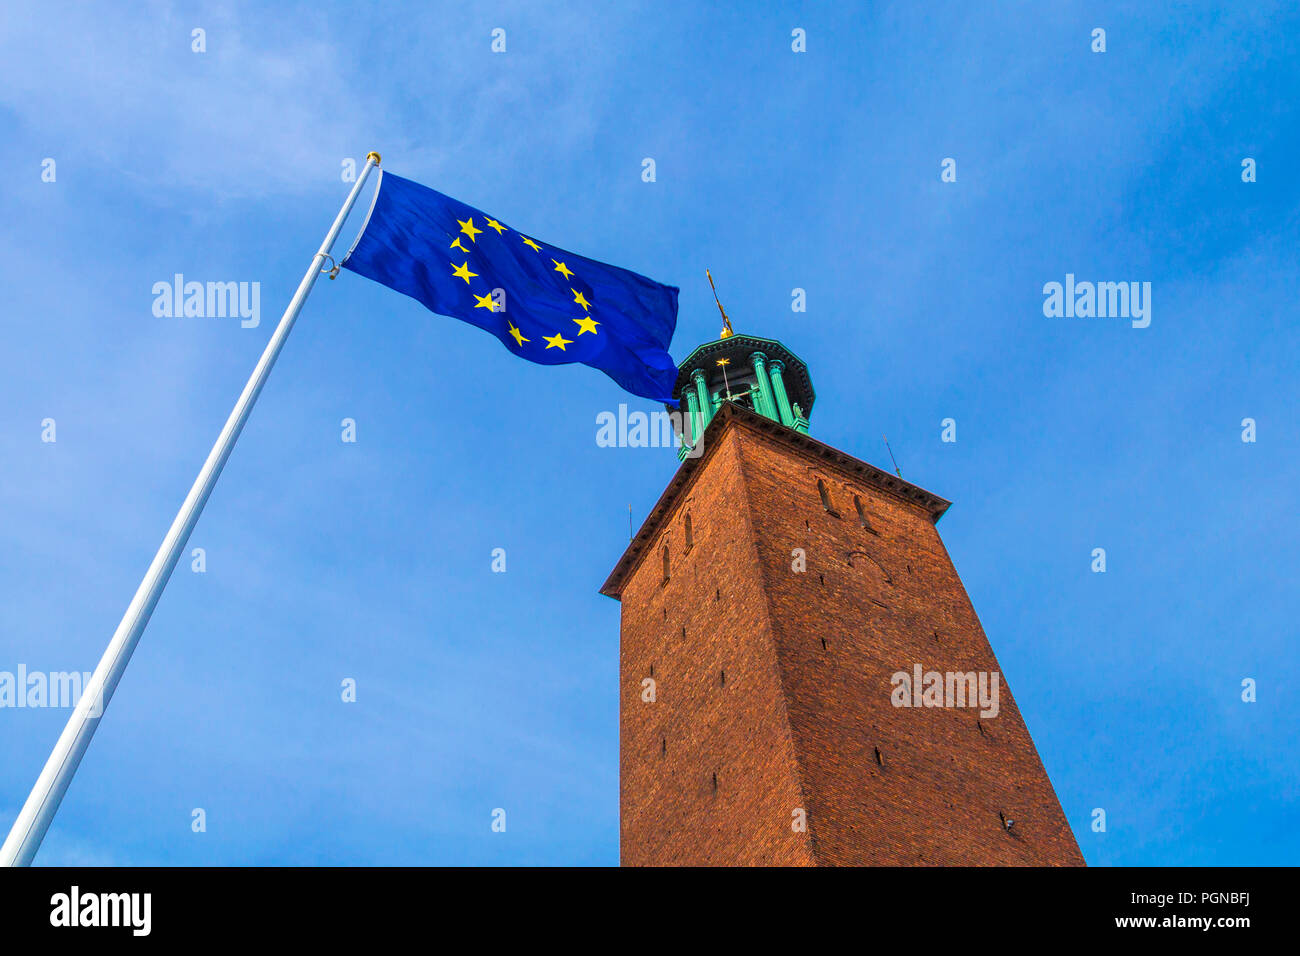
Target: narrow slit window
{"x": 825, "y": 496}
{"x": 690, "y": 538}
{"x": 666, "y": 574}
{"x": 862, "y": 515}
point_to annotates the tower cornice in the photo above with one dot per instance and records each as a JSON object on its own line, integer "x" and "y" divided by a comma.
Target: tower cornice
{"x": 730, "y": 415}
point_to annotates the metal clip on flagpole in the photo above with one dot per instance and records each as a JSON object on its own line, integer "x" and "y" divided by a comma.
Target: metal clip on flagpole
{"x": 34, "y": 819}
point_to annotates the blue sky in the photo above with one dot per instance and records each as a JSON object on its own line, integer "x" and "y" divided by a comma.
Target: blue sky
{"x": 777, "y": 170}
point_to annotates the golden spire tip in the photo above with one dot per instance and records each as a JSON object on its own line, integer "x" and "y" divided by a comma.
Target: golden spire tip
{"x": 727, "y": 330}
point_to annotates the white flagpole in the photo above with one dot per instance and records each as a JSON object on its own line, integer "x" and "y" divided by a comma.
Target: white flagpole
{"x": 34, "y": 819}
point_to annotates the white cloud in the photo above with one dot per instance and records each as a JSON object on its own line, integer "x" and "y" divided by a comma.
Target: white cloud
{"x": 282, "y": 96}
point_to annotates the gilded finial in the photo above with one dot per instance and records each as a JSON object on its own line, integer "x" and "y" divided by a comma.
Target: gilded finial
{"x": 727, "y": 330}
{"x": 722, "y": 364}
{"x": 374, "y": 155}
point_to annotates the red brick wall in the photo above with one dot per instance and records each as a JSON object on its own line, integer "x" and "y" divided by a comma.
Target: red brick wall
{"x": 806, "y": 700}
{"x": 697, "y": 726}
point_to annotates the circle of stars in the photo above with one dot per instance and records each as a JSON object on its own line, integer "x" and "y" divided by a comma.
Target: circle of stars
{"x": 586, "y": 324}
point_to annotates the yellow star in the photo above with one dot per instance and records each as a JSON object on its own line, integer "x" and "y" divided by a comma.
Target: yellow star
{"x": 484, "y": 302}
{"x": 457, "y": 245}
{"x": 581, "y": 300}
{"x": 587, "y": 325}
{"x": 494, "y": 224}
{"x": 562, "y": 269}
{"x": 519, "y": 336}
{"x": 463, "y": 272}
{"x": 724, "y": 361}
{"x": 529, "y": 242}
{"x": 557, "y": 341}
{"x": 467, "y": 227}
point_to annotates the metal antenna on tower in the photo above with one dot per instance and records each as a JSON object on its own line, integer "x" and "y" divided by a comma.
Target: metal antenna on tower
{"x": 891, "y": 457}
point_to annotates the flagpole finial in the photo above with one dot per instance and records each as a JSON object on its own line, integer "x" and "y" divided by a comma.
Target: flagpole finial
{"x": 374, "y": 155}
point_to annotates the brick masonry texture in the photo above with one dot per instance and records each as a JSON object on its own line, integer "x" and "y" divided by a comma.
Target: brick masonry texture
{"x": 773, "y": 686}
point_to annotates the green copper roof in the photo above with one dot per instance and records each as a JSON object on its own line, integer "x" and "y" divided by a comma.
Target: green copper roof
{"x": 737, "y": 349}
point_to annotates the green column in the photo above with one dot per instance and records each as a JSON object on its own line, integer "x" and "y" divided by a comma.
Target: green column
{"x": 778, "y": 392}
{"x": 694, "y": 427}
{"x": 702, "y": 391}
{"x": 765, "y": 406}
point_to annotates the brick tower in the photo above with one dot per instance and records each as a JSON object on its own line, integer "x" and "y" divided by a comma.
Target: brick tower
{"x": 770, "y": 602}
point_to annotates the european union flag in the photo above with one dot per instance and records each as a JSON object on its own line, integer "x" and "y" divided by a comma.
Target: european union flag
{"x": 544, "y": 304}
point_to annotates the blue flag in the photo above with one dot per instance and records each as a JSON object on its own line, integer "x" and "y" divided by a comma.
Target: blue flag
{"x": 545, "y": 304}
